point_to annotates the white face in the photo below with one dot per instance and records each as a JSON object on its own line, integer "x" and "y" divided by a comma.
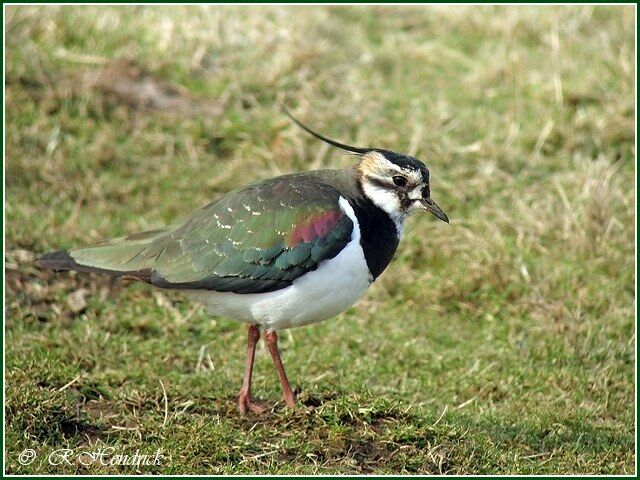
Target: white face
{"x": 398, "y": 191}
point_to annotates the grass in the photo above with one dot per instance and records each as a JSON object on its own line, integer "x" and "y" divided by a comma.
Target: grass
{"x": 502, "y": 343}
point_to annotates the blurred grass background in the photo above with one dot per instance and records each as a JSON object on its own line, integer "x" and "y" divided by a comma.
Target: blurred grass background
{"x": 502, "y": 343}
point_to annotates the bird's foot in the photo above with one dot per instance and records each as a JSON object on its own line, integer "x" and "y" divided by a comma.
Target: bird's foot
{"x": 290, "y": 400}
{"x": 245, "y": 404}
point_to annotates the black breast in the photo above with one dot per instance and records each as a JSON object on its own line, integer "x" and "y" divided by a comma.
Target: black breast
{"x": 378, "y": 235}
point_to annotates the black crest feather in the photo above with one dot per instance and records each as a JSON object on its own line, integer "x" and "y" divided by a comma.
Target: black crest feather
{"x": 348, "y": 148}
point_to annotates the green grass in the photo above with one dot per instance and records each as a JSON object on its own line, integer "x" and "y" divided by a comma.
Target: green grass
{"x": 502, "y": 343}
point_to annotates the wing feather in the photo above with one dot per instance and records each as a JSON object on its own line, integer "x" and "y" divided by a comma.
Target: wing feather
{"x": 255, "y": 239}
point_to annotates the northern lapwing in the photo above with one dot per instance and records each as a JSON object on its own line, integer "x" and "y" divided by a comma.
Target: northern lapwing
{"x": 284, "y": 252}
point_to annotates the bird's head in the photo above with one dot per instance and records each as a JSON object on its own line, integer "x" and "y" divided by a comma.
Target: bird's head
{"x": 397, "y": 183}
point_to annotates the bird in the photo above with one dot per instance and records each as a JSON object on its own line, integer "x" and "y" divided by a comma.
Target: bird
{"x": 284, "y": 252}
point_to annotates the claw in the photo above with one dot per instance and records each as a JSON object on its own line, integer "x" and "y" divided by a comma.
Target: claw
{"x": 245, "y": 404}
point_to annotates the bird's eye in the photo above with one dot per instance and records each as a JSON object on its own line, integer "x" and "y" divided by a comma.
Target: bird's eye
{"x": 399, "y": 180}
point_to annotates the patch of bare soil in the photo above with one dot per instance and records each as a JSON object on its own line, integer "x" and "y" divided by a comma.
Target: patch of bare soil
{"x": 124, "y": 82}
{"x": 138, "y": 88}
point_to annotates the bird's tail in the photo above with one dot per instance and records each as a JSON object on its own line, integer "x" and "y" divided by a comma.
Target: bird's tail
{"x": 131, "y": 256}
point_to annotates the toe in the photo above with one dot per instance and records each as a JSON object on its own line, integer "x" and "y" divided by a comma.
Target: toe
{"x": 257, "y": 408}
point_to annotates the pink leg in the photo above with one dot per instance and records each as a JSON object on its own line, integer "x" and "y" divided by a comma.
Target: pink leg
{"x": 272, "y": 343}
{"x": 244, "y": 397}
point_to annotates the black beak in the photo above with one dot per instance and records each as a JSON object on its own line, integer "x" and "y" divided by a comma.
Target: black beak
{"x": 432, "y": 207}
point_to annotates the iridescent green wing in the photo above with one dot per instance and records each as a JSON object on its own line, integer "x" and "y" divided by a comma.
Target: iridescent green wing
{"x": 256, "y": 239}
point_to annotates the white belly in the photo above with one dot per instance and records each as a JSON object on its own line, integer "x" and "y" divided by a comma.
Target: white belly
{"x": 323, "y": 293}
